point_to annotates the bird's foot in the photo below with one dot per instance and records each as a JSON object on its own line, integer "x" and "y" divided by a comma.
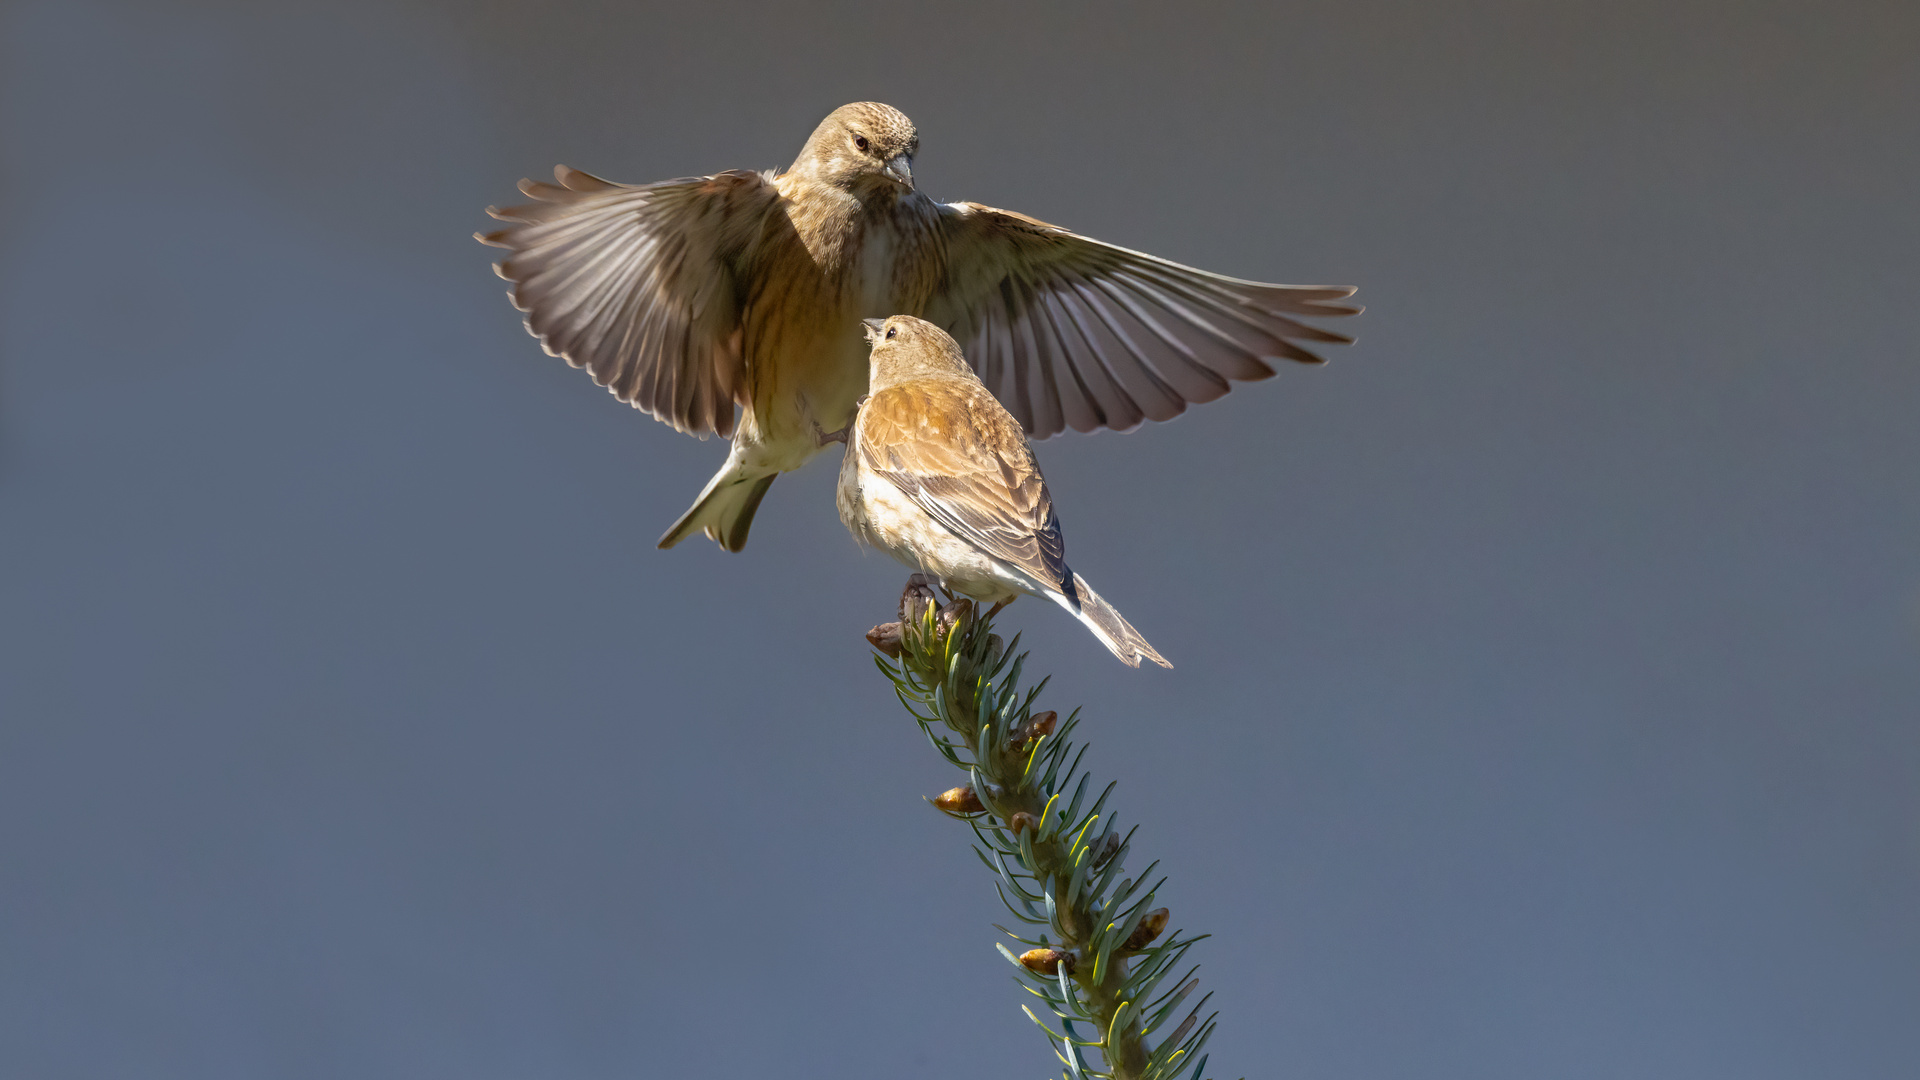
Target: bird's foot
{"x": 916, "y": 598}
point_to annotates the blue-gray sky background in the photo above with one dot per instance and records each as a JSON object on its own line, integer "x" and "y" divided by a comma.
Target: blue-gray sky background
{"x": 1547, "y": 699}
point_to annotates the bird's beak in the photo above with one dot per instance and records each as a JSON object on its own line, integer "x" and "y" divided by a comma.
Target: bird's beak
{"x": 874, "y": 328}
{"x": 900, "y": 171}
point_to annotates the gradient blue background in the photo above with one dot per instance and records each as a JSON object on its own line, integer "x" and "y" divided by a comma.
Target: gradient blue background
{"x": 1548, "y": 686}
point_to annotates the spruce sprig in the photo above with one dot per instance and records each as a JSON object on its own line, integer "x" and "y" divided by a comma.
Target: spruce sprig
{"x": 1093, "y": 951}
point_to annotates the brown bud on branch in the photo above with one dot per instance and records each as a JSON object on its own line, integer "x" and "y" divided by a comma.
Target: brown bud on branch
{"x": 954, "y": 614}
{"x": 1021, "y": 821}
{"x": 1046, "y": 961}
{"x": 960, "y": 800}
{"x": 1144, "y": 931}
{"x": 1105, "y": 849}
{"x": 1037, "y": 725}
{"x": 886, "y": 638}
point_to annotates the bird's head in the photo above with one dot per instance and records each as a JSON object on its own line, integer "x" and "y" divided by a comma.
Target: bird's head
{"x": 865, "y": 145}
{"x": 906, "y": 348}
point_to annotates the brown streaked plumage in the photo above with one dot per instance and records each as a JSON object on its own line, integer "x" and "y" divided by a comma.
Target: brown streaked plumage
{"x": 937, "y": 441}
{"x": 690, "y": 297}
{"x": 939, "y": 475}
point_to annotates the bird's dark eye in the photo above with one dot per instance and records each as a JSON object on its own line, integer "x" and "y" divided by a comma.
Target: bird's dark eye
{"x": 892, "y": 330}
{"x": 860, "y": 143}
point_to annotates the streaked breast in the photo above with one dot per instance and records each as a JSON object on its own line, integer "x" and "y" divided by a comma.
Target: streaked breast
{"x": 875, "y": 290}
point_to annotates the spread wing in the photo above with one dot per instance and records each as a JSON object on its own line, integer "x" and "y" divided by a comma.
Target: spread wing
{"x": 1071, "y": 332}
{"x": 958, "y": 455}
{"x": 637, "y": 284}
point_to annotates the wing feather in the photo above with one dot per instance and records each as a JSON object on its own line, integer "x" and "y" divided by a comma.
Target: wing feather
{"x": 1103, "y": 336}
{"x": 1157, "y": 398}
{"x": 639, "y": 284}
{"x": 970, "y": 469}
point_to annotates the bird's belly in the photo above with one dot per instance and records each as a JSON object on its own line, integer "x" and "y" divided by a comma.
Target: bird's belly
{"x": 807, "y": 355}
{"x": 843, "y": 377}
{"x": 806, "y": 367}
{"x": 880, "y": 514}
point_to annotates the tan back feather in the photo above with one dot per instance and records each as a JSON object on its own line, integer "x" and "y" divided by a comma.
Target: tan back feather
{"x": 951, "y": 448}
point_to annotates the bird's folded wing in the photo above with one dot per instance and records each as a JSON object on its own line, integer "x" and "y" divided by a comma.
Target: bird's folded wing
{"x": 956, "y": 453}
{"x": 1071, "y": 332}
{"x": 636, "y": 284}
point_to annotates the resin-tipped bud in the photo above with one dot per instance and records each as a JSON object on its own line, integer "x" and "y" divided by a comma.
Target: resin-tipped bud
{"x": 960, "y": 800}
{"x": 1037, "y": 725}
{"x": 1105, "y": 848}
{"x": 957, "y": 613}
{"x": 1149, "y": 927}
{"x": 1046, "y": 961}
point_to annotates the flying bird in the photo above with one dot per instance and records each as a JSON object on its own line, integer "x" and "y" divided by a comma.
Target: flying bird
{"x": 689, "y": 297}
{"x": 939, "y": 475}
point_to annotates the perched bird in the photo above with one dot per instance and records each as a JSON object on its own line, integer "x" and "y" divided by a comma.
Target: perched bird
{"x": 939, "y": 475}
{"x": 688, "y": 297}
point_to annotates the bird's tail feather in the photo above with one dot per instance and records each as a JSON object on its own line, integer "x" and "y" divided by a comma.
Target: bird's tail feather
{"x": 724, "y": 510}
{"x": 1115, "y": 632}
